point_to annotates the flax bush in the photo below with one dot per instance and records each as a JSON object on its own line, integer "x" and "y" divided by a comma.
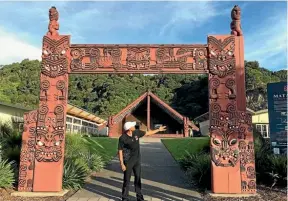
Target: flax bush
{"x": 198, "y": 169}
{"x": 81, "y": 158}
{"x": 7, "y": 178}
{"x": 74, "y": 174}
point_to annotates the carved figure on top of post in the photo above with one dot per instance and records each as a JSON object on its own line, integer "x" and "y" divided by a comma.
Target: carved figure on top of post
{"x": 235, "y": 25}
{"x": 53, "y": 26}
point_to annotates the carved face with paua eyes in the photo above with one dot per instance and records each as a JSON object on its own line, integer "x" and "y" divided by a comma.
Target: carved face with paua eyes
{"x": 49, "y": 147}
{"x": 224, "y": 148}
{"x": 54, "y": 60}
{"x": 49, "y": 141}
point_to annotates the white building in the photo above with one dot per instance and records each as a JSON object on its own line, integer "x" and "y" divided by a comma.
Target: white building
{"x": 78, "y": 120}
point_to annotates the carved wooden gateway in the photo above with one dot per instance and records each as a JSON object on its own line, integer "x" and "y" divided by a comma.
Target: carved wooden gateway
{"x": 232, "y": 147}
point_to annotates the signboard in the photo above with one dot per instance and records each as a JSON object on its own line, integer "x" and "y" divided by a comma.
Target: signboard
{"x": 277, "y": 109}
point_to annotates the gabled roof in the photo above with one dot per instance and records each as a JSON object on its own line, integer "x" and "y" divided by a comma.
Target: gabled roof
{"x": 155, "y": 99}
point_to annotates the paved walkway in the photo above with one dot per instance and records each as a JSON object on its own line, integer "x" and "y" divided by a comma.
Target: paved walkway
{"x": 162, "y": 179}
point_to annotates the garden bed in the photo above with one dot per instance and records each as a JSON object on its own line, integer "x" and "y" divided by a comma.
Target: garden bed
{"x": 264, "y": 194}
{"x": 193, "y": 154}
{"x": 83, "y": 157}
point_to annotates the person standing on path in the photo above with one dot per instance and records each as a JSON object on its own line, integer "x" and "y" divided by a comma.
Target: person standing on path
{"x": 130, "y": 158}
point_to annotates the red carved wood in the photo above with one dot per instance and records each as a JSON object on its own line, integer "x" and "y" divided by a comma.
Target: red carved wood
{"x": 50, "y": 130}
{"x": 148, "y": 113}
{"x": 138, "y": 58}
{"x": 229, "y": 123}
{"x": 27, "y": 157}
{"x": 246, "y": 141}
{"x": 232, "y": 147}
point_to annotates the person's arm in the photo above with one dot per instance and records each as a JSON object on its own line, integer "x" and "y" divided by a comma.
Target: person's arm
{"x": 120, "y": 154}
{"x": 152, "y": 132}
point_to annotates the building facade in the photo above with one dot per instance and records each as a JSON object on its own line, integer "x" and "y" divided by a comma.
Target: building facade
{"x": 12, "y": 115}
{"x": 150, "y": 112}
{"x": 260, "y": 120}
{"x": 78, "y": 120}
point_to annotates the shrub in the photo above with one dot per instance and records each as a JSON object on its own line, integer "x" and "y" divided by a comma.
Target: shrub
{"x": 278, "y": 170}
{"x": 83, "y": 151}
{"x": 187, "y": 161}
{"x": 93, "y": 161}
{"x": 74, "y": 174}
{"x": 5, "y": 129}
{"x": 10, "y": 143}
{"x": 199, "y": 169}
{"x": 6, "y": 174}
{"x": 12, "y": 154}
{"x": 76, "y": 144}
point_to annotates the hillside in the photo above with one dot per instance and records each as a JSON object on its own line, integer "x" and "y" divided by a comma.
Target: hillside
{"x": 108, "y": 94}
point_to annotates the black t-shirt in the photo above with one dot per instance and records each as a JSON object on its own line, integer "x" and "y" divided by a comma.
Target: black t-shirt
{"x": 130, "y": 145}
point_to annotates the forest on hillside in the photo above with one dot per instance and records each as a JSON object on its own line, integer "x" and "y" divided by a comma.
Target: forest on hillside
{"x": 105, "y": 95}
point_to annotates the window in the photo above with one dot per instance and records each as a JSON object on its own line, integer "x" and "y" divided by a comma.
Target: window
{"x": 76, "y": 129}
{"x": 69, "y": 119}
{"x": 263, "y": 129}
{"x": 77, "y": 121}
{"x": 68, "y": 127}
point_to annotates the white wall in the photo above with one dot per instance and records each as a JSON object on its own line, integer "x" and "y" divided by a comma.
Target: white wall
{"x": 204, "y": 128}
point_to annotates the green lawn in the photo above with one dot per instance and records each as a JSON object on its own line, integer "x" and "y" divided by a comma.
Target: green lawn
{"x": 106, "y": 147}
{"x": 178, "y": 147}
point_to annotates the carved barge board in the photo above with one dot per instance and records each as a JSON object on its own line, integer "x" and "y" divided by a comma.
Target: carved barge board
{"x": 138, "y": 59}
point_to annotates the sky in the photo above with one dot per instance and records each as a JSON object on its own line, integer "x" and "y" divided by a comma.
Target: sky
{"x": 264, "y": 24}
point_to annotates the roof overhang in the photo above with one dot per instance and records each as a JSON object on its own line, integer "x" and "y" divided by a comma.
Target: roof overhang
{"x": 83, "y": 114}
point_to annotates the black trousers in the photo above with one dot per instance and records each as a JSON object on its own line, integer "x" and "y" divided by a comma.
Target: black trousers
{"x": 134, "y": 166}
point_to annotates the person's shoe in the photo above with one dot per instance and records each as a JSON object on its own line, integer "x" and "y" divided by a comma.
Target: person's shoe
{"x": 141, "y": 198}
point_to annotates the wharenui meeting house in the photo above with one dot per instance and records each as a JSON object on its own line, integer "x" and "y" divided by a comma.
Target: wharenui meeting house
{"x": 150, "y": 112}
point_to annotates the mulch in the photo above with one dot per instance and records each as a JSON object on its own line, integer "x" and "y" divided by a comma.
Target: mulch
{"x": 264, "y": 194}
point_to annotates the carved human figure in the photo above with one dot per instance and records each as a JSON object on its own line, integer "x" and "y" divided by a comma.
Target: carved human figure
{"x": 53, "y": 26}
{"x": 235, "y": 25}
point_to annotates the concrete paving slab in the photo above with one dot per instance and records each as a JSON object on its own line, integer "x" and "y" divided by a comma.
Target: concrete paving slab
{"x": 72, "y": 199}
{"x": 162, "y": 178}
{"x": 39, "y": 194}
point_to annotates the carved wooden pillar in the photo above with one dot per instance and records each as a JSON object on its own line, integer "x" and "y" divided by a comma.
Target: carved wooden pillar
{"x": 50, "y": 130}
{"x": 186, "y": 127}
{"x": 245, "y": 137}
{"x": 223, "y": 115}
{"x": 26, "y": 168}
{"x": 227, "y": 122}
{"x": 51, "y": 120}
{"x": 148, "y": 111}
{"x": 110, "y": 126}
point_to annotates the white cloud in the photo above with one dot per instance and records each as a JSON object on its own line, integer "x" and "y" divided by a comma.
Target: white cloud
{"x": 197, "y": 12}
{"x": 268, "y": 43}
{"x": 13, "y": 49}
